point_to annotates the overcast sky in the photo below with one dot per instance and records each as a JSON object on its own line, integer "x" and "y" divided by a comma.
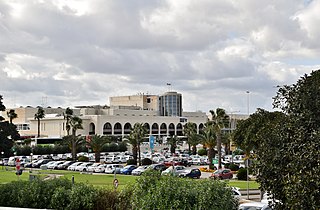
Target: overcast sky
{"x": 70, "y": 52}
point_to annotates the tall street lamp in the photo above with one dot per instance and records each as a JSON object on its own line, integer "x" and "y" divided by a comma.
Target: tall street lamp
{"x": 248, "y": 109}
{"x": 2, "y": 157}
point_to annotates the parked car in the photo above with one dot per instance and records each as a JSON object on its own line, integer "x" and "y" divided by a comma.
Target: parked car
{"x": 47, "y": 165}
{"x": 83, "y": 167}
{"x": 138, "y": 171}
{"x": 191, "y": 173}
{"x": 159, "y": 167}
{"x": 55, "y": 164}
{"x": 40, "y": 162}
{"x": 73, "y": 166}
{"x": 4, "y": 161}
{"x": 93, "y": 166}
{"x": 222, "y": 174}
{"x": 254, "y": 206}
{"x": 127, "y": 170}
{"x": 173, "y": 170}
{"x": 65, "y": 165}
{"x": 113, "y": 168}
{"x": 236, "y": 193}
{"x": 100, "y": 168}
{"x": 177, "y": 161}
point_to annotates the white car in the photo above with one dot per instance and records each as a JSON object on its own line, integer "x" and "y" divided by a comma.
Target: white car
{"x": 138, "y": 171}
{"x": 73, "y": 166}
{"x": 55, "y": 164}
{"x": 254, "y": 206}
{"x": 93, "y": 166}
{"x": 83, "y": 167}
{"x": 175, "y": 171}
{"x": 100, "y": 168}
{"x": 47, "y": 165}
{"x": 113, "y": 168}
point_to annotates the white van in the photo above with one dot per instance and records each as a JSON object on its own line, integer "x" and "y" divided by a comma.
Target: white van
{"x": 12, "y": 161}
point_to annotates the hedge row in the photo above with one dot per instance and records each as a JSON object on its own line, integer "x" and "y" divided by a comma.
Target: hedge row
{"x": 62, "y": 149}
{"x": 150, "y": 191}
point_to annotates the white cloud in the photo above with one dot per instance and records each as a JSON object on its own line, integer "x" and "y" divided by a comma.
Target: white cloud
{"x": 82, "y": 52}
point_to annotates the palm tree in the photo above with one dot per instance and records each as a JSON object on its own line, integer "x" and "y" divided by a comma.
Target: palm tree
{"x": 189, "y": 130}
{"x": 219, "y": 121}
{"x": 173, "y": 142}
{"x": 96, "y": 142}
{"x": 134, "y": 145}
{"x": 71, "y": 141}
{"x": 138, "y": 132}
{"x": 38, "y": 116}
{"x": 209, "y": 140}
{"x": 75, "y": 123}
{"x": 67, "y": 116}
{"x": 194, "y": 140}
{"x": 12, "y": 115}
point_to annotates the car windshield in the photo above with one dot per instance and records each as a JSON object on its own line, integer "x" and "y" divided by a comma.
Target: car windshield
{"x": 217, "y": 172}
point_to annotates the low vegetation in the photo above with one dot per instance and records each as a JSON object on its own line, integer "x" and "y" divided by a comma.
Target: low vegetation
{"x": 149, "y": 191}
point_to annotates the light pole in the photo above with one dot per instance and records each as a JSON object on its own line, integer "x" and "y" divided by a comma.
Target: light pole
{"x": 248, "y": 94}
{"x": 31, "y": 154}
{"x": 2, "y": 157}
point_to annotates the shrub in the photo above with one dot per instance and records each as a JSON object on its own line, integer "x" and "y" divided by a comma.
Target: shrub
{"x": 146, "y": 161}
{"x": 131, "y": 162}
{"x": 82, "y": 197}
{"x": 152, "y": 191}
{"x": 83, "y": 159}
{"x": 242, "y": 174}
{"x": 202, "y": 152}
{"x": 232, "y": 166}
{"x": 106, "y": 199}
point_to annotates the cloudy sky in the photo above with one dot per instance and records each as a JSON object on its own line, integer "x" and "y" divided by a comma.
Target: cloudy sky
{"x": 74, "y": 52}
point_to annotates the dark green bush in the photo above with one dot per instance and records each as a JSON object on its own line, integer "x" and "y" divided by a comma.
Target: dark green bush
{"x": 202, "y": 152}
{"x": 106, "y": 199}
{"x": 146, "y": 161}
{"x": 83, "y": 159}
{"x": 131, "y": 162}
{"x": 152, "y": 191}
{"x": 242, "y": 174}
{"x": 232, "y": 166}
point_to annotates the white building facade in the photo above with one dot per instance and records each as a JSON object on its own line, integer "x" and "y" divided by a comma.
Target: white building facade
{"x": 117, "y": 119}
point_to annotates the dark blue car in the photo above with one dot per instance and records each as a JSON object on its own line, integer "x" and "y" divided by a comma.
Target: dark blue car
{"x": 191, "y": 173}
{"x": 128, "y": 169}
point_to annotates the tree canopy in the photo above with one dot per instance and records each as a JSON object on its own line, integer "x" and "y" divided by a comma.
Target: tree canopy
{"x": 287, "y": 145}
{"x": 8, "y": 133}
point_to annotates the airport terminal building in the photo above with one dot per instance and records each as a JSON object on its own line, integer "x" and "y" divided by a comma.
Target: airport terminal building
{"x": 162, "y": 115}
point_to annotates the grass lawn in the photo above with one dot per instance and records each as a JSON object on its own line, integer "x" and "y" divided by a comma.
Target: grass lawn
{"x": 102, "y": 180}
{"x": 243, "y": 184}
{"x": 99, "y": 180}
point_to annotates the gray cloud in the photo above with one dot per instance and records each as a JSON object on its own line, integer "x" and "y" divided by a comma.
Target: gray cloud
{"x": 83, "y": 52}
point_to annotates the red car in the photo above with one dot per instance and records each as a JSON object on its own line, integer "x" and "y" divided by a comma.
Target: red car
{"x": 222, "y": 174}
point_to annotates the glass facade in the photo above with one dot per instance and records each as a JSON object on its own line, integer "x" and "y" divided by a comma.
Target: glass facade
{"x": 170, "y": 104}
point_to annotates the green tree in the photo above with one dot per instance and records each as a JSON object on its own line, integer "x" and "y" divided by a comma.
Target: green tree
{"x": 11, "y": 115}
{"x": 38, "y": 116}
{"x": 76, "y": 124}
{"x": 300, "y": 145}
{"x": 173, "y": 142}
{"x": 134, "y": 146}
{"x": 220, "y": 120}
{"x": 67, "y": 116}
{"x": 138, "y": 132}
{"x": 190, "y": 129}
{"x": 209, "y": 140}
{"x": 96, "y": 143}
{"x": 8, "y": 133}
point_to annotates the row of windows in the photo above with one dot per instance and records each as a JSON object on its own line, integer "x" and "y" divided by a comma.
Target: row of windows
{"x": 22, "y": 127}
{"x": 155, "y": 128}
